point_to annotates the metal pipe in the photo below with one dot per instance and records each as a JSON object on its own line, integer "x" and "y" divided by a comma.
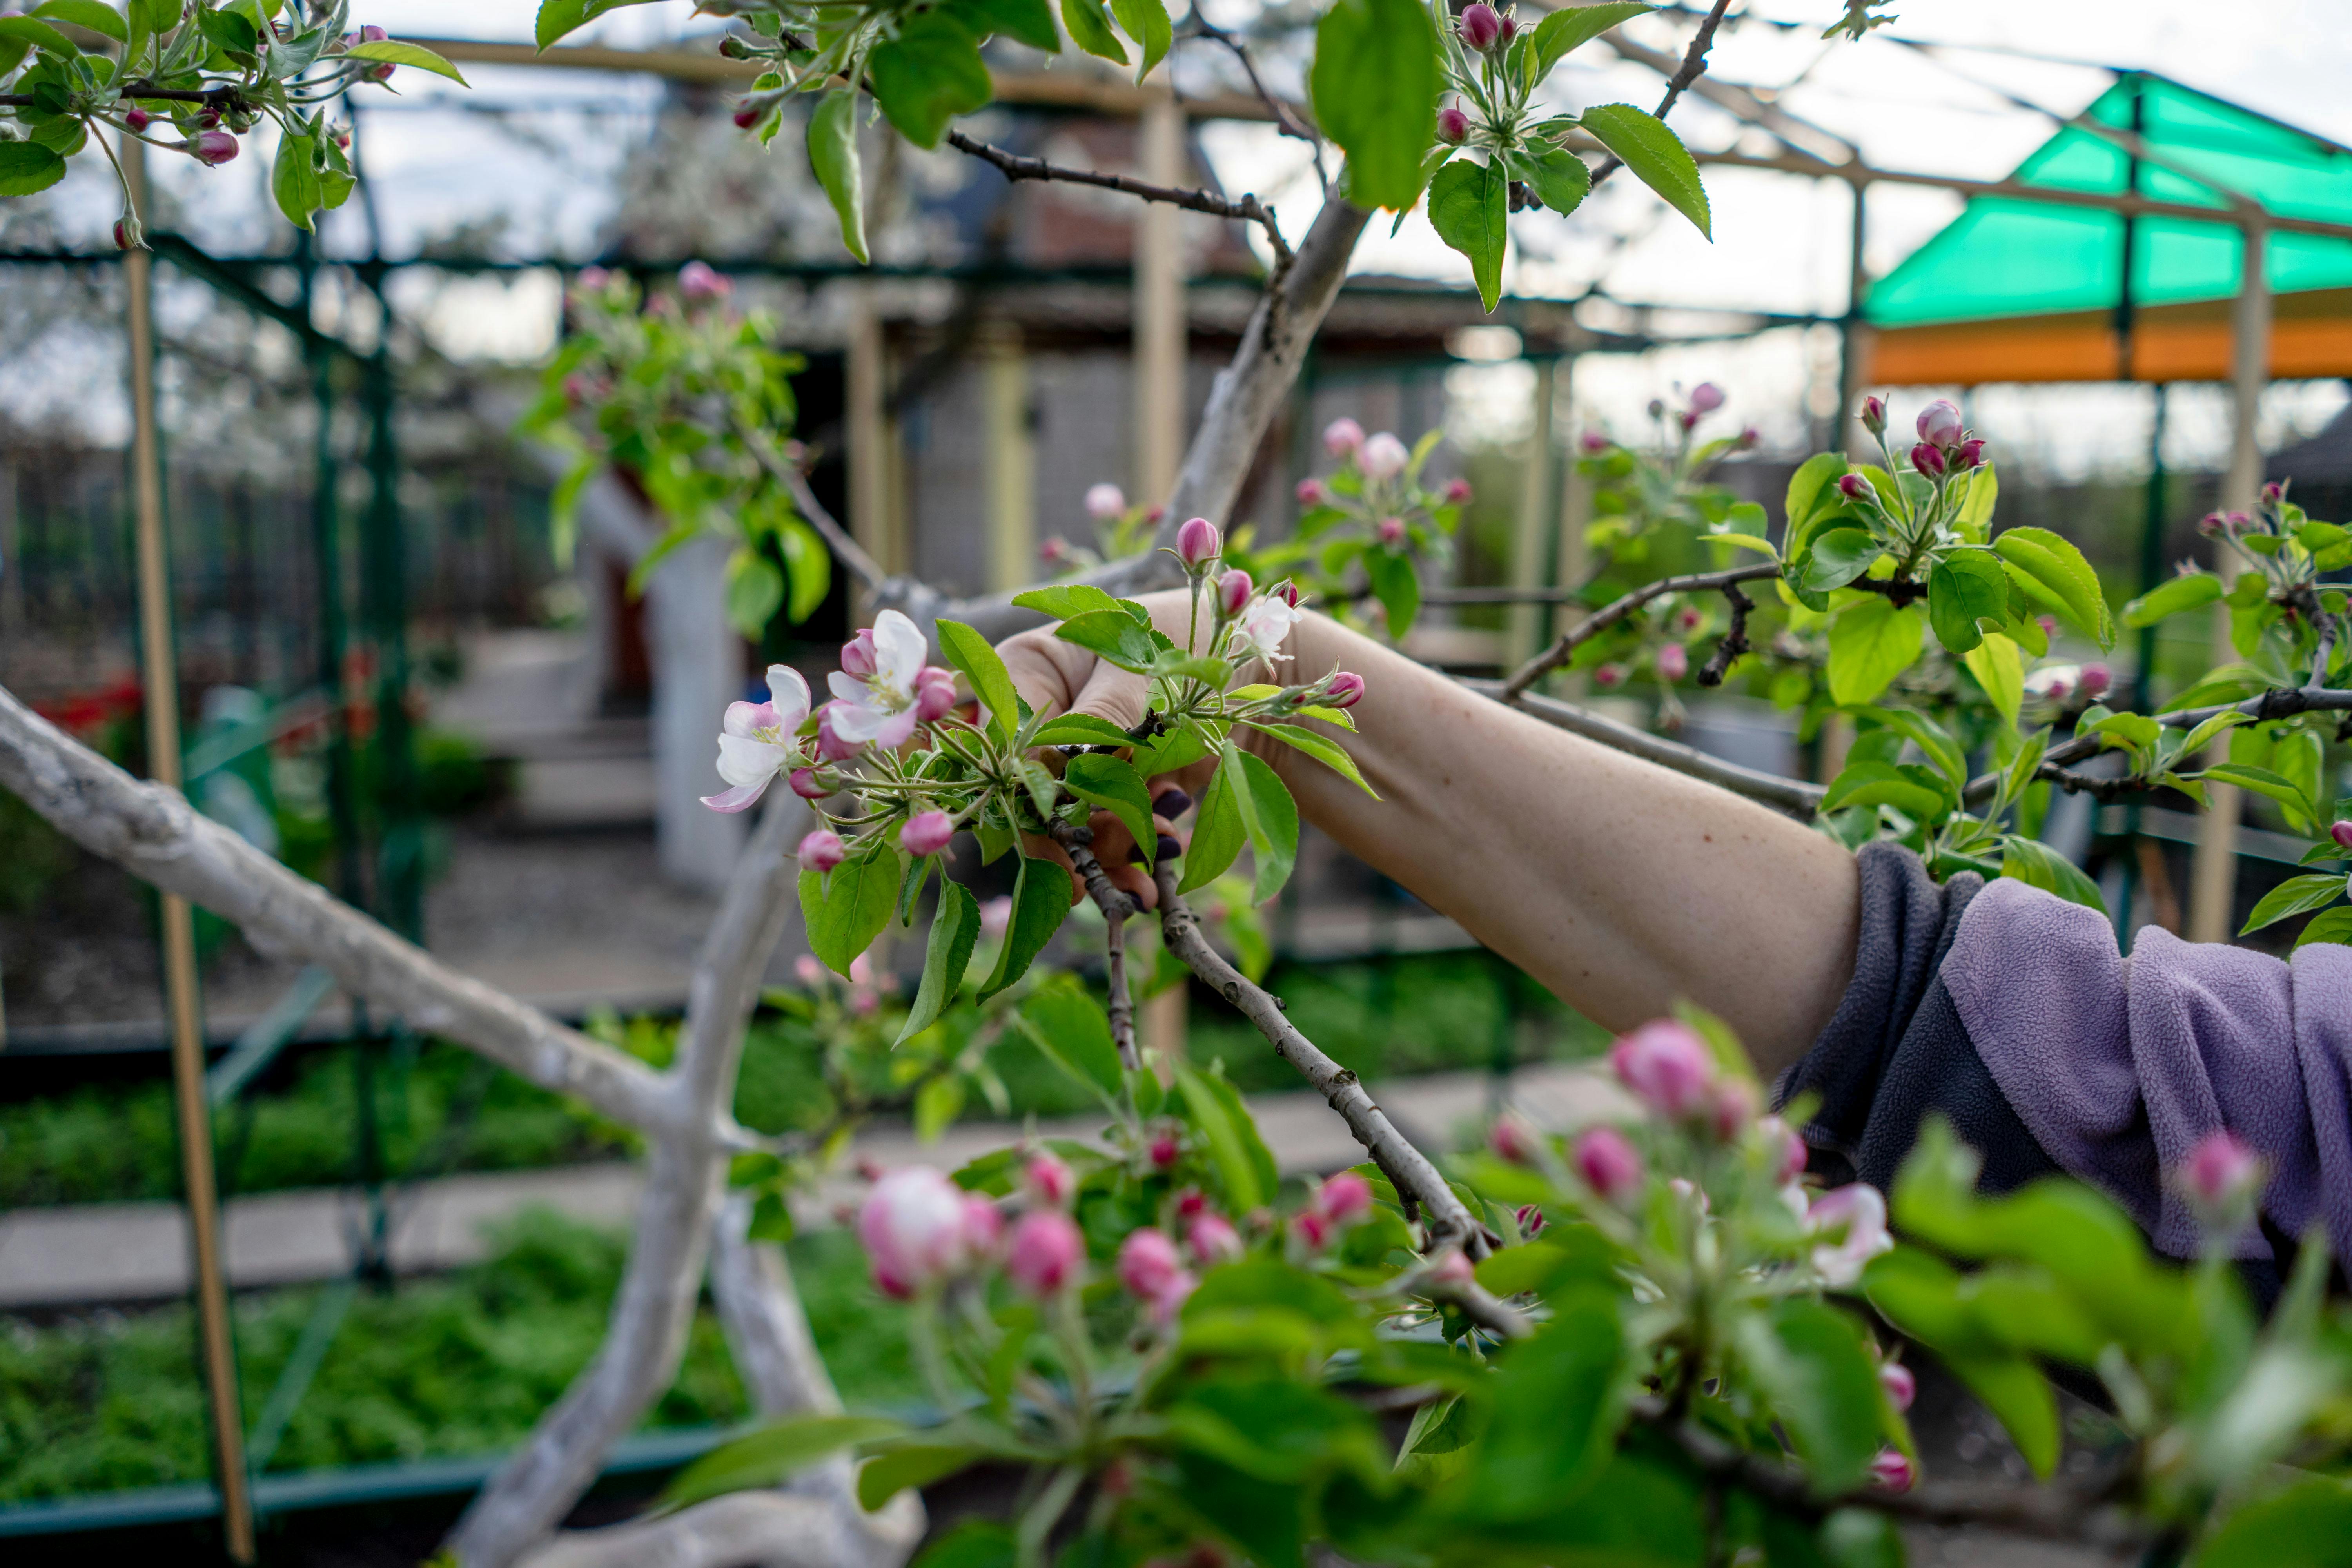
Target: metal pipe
{"x": 160, "y": 679}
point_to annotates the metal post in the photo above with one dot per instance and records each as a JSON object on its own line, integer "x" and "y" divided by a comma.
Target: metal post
{"x": 2213, "y": 876}
{"x": 1572, "y": 558}
{"x": 1528, "y": 548}
{"x": 871, "y": 476}
{"x": 383, "y": 600}
{"x": 161, "y": 693}
{"x": 1853, "y": 332}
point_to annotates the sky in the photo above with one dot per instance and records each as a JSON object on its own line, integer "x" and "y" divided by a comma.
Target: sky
{"x": 1779, "y": 241}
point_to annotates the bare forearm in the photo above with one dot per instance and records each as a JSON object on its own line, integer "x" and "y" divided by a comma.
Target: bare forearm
{"x": 1618, "y": 885}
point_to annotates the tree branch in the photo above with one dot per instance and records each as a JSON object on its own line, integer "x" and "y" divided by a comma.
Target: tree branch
{"x": 1735, "y": 640}
{"x": 1694, "y": 62}
{"x": 1608, "y": 615}
{"x": 837, "y": 539}
{"x": 1287, "y": 118}
{"x": 2278, "y": 703}
{"x": 1018, "y": 167}
{"x": 1116, "y": 907}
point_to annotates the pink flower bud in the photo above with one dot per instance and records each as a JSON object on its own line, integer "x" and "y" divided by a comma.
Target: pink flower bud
{"x": 1286, "y": 591}
{"x": 1481, "y": 26}
{"x": 2211, "y": 525}
{"x": 1706, "y": 397}
{"x": 935, "y": 693}
{"x": 1191, "y": 1204}
{"x": 1873, "y": 414}
{"x": 593, "y": 279}
{"x": 699, "y": 283}
{"x": 1044, "y": 1252}
{"x": 1049, "y": 1182}
{"x": 1891, "y": 1472}
{"x": 1674, "y": 661}
{"x": 1687, "y": 620}
{"x": 372, "y": 34}
{"x": 1512, "y": 1139}
{"x": 748, "y": 114}
{"x": 1384, "y": 457}
{"x": 808, "y": 970}
{"x": 1152, "y": 514}
{"x": 2094, "y": 681}
{"x": 1172, "y": 1297}
{"x": 1609, "y": 1164}
{"x": 1054, "y": 551}
{"x": 1854, "y": 486}
{"x": 1457, "y": 492}
{"x": 2238, "y": 522}
{"x": 913, "y": 1227}
{"x": 927, "y": 833}
{"x": 214, "y": 147}
{"x": 126, "y": 234}
{"x": 2048, "y": 625}
{"x": 1731, "y": 1105}
{"x": 1666, "y": 1066}
{"x": 1345, "y": 1198}
{"x": 2274, "y": 493}
{"x": 2221, "y": 1176}
{"x": 1967, "y": 454}
{"x": 1609, "y": 675}
{"x": 1105, "y": 502}
{"x": 1901, "y": 1387}
{"x": 2342, "y": 833}
{"x": 1214, "y": 1240}
{"x": 137, "y": 118}
{"x": 1342, "y": 437}
{"x": 1392, "y": 531}
{"x": 1310, "y": 493}
{"x": 997, "y": 917}
{"x": 830, "y": 746}
{"x": 1345, "y": 690}
{"x": 1510, "y": 28}
{"x": 1162, "y": 1151}
{"x": 1531, "y": 1220}
{"x": 809, "y": 784}
{"x": 1148, "y": 1263}
{"x": 1688, "y": 419}
{"x": 821, "y": 850}
{"x": 1313, "y": 1228}
{"x": 1198, "y": 543}
{"x": 1939, "y": 423}
{"x": 1928, "y": 460}
{"x": 858, "y": 659}
{"x": 1234, "y": 591}
{"x": 1786, "y": 1149}
{"x": 983, "y": 1230}
{"x": 1450, "y": 1272}
{"x": 1594, "y": 441}
{"x": 1452, "y": 126}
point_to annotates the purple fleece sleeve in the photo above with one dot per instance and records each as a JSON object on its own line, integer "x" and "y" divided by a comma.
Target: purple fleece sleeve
{"x": 2120, "y": 1065}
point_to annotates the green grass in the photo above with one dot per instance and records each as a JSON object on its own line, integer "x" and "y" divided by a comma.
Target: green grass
{"x": 442, "y": 1108}
{"x": 439, "y": 1367}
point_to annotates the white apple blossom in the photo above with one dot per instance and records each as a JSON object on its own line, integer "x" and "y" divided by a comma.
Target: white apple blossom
{"x": 1852, "y": 1222}
{"x": 879, "y": 708}
{"x": 757, "y": 740}
{"x": 1384, "y": 457}
{"x": 1263, "y": 627}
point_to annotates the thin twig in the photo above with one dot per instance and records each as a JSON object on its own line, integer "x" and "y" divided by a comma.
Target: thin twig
{"x": 1018, "y": 167}
{"x": 1116, "y": 907}
{"x": 213, "y": 96}
{"x": 2279, "y": 702}
{"x": 1286, "y": 119}
{"x": 1735, "y": 641}
{"x": 1600, "y": 620}
{"x": 1694, "y": 62}
{"x": 864, "y": 567}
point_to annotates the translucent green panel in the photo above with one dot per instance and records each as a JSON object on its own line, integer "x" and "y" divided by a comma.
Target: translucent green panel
{"x": 2021, "y": 258}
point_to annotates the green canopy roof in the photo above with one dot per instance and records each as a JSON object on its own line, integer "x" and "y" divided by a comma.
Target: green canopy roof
{"x": 2004, "y": 258}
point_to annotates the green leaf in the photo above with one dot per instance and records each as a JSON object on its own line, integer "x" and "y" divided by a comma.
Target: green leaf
{"x": 1081, "y": 730}
{"x": 398, "y": 53}
{"x": 1998, "y": 669}
{"x": 559, "y": 18}
{"x": 1041, "y": 901}
{"x": 1247, "y": 1173}
{"x": 89, "y": 13}
{"x": 1375, "y": 83}
{"x": 1963, "y": 588}
{"x": 27, "y": 167}
{"x": 843, "y": 913}
{"x": 1813, "y": 489}
{"x": 1071, "y": 1026}
{"x": 2295, "y": 896}
{"x": 2038, "y": 866}
{"x": 2049, "y": 561}
{"x": 1217, "y": 832}
{"x": 1117, "y": 788}
{"x": 975, "y": 1544}
{"x": 1321, "y": 748}
{"x": 832, "y": 156}
{"x": 893, "y": 1470}
{"x": 1572, "y": 26}
{"x": 1030, "y": 22}
{"x": 2305, "y": 1525}
{"x": 1931, "y": 738}
{"x": 2020, "y": 1399}
{"x": 770, "y": 1455}
{"x": 955, "y": 928}
{"x": 1656, "y": 156}
{"x": 1883, "y": 784}
{"x": 1976, "y": 511}
{"x": 1836, "y": 556}
{"x": 293, "y": 181}
{"x": 1559, "y": 178}
{"x": 1114, "y": 635}
{"x": 1810, "y": 1360}
{"x": 1145, "y": 22}
{"x": 1063, "y": 600}
{"x": 1269, "y": 816}
{"x": 2193, "y": 592}
{"x": 1089, "y": 27}
{"x": 926, "y": 76}
{"x": 969, "y": 651}
{"x": 2334, "y": 926}
{"x": 2261, "y": 781}
{"x": 1469, "y": 205}
{"x": 1871, "y": 643}
{"x": 41, "y": 35}
{"x": 1398, "y": 588}
{"x": 1557, "y": 1405}
{"x": 755, "y": 591}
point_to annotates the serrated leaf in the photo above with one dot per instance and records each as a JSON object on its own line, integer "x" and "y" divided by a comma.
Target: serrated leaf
{"x": 1964, "y": 587}
{"x": 1469, "y": 205}
{"x": 1559, "y": 178}
{"x": 1374, "y": 83}
{"x": 39, "y": 34}
{"x": 1030, "y": 22}
{"x": 1145, "y": 22}
{"x": 1217, "y": 832}
{"x": 2193, "y": 592}
{"x": 1071, "y": 1026}
{"x": 844, "y": 911}
{"x": 1089, "y": 27}
{"x": 1998, "y": 668}
{"x": 27, "y": 167}
{"x": 970, "y": 652}
{"x": 1656, "y": 156}
{"x": 1112, "y": 635}
{"x": 89, "y": 13}
{"x": 833, "y": 157}
{"x": 1270, "y": 818}
{"x": 1080, "y": 730}
{"x": 2261, "y": 781}
{"x": 1871, "y": 643}
{"x": 2052, "y": 562}
{"x": 1113, "y": 785}
{"x": 1321, "y": 748}
{"x": 2331, "y": 926}
{"x": 926, "y": 76}
{"x": 393, "y": 51}
{"x": 1242, "y": 1161}
{"x": 1573, "y": 26}
{"x": 1836, "y": 556}
{"x": 770, "y": 1455}
{"x": 2038, "y": 866}
{"x": 1041, "y": 901}
{"x": 2295, "y": 896}
{"x": 955, "y": 929}
{"x": 1885, "y": 783}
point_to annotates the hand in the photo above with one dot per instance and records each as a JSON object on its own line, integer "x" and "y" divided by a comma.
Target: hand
{"x": 1054, "y": 677}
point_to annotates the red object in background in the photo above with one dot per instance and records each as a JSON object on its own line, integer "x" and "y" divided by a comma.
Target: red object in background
{"x": 85, "y": 711}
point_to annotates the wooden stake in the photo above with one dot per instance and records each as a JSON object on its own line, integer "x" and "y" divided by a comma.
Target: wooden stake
{"x": 161, "y": 684}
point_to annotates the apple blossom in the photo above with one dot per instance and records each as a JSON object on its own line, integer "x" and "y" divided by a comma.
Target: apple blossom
{"x": 831, "y": 747}
{"x": 1674, "y": 661}
{"x": 1048, "y": 1181}
{"x": 1787, "y": 1152}
{"x": 1198, "y": 543}
{"x": 1342, "y": 437}
{"x": 700, "y": 284}
{"x": 1345, "y": 1198}
{"x": 1706, "y": 397}
{"x": 927, "y": 833}
{"x": 2222, "y": 1178}
{"x": 1148, "y": 1263}
{"x": 1262, "y": 628}
{"x": 878, "y": 708}
{"x": 1939, "y": 423}
{"x": 1452, "y": 125}
{"x": 1044, "y": 1253}
{"x": 1666, "y": 1066}
{"x": 1891, "y": 1471}
{"x": 935, "y": 694}
{"x": 1310, "y": 493}
{"x": 1384, "y": 457}
{"x": 1609, "y": 1164}
{"x": 1213, "y": 1239}
{"x": 858, "y": 655}
{"x": 1481, "y": 26}
{"x": 1901, "y": 1387}
{"x": 1105, "y": 502}
{"x": 1234, "y": 590}
{"x": 1344, "y": 690}
{"x": 821, "y": 851}
{"x": 759, "y": 740}
{"x": 913, "y": 1227}
{"x": 1853, "y": 1220}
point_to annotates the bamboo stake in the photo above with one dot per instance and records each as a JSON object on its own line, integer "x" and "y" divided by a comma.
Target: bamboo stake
{"x": 161, "y": 683}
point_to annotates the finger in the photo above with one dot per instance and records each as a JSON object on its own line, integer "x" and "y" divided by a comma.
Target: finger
{"x": 1046, "y": 672}
{"x": 1121, "y": 696}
